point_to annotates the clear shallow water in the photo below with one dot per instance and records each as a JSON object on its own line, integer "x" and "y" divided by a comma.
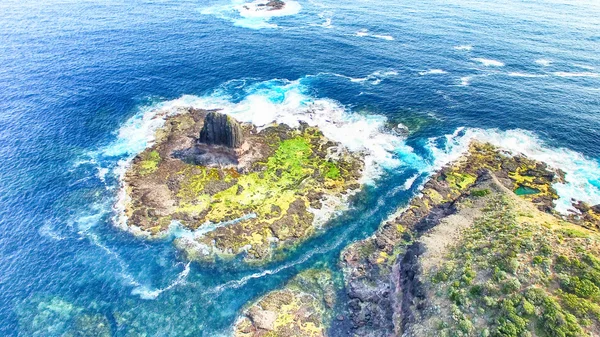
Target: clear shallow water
{"x": 74, "y": 75}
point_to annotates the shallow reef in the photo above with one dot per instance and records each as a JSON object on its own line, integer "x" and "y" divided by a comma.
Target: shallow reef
{"x": 54, "y": 316}
{"x": 271, "y": 191}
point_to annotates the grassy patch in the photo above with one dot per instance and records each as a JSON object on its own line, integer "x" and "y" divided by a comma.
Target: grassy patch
{"x": 514, "y": 272}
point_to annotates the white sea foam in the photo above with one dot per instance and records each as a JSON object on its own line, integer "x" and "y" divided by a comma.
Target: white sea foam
{"x": 327, "y": 16}
{"x": 148, "y": 293}
{"x": 583, "y": 66}
{"x": 582, "y": 180}
{"x": 465, "y": 81}
{"x": 466, "y": 47}
{"x": 543, "y": 62}
{"x": 251, "y": 14}
{"x": 576, "y": 74}
{"x": 374, "y": 78}
{"x": 410, "y": 181}
{"x": 366, "y": 33}
{"x": 488, "y": 62}
{"x": 433, "y": 72}
{"x": 526, "y": 75}
{"x": 47, "y": 230}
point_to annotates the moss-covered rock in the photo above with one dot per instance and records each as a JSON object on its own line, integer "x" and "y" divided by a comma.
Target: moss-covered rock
{"x": 302, "y": 308}
{"x": 271, "y": 191}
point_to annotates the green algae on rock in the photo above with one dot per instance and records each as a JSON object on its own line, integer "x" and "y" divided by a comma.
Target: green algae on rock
{"x": 302, "y": 308}
{"x": 387, "y": 276}
{"x": 272, "y": 189}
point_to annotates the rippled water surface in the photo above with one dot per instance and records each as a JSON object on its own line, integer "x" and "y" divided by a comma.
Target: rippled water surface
{"x": 80, "y": 81}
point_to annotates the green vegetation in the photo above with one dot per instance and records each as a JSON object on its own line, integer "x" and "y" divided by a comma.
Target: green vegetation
{"x": 480, "y": 193}
{"x": 510, "y": 277}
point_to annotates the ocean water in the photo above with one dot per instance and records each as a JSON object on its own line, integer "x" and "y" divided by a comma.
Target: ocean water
{"x": 84, "y": 83}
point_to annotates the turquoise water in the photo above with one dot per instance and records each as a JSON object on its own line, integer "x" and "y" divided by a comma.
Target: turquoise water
{"x": 81, "y": 80}
{"x": 524, "y": 190}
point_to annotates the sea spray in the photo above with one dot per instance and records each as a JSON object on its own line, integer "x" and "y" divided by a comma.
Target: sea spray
{"x": 581, "y": 180}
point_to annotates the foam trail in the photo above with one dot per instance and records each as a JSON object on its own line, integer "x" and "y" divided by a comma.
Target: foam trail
{"x": 466, "y": 47}
{"x": 366, "y": 33}
{"x": 327, "y": 16}
{"x": 433, "y": 72}
{"x": 576, "y": 74}
{"x": 177, "y": 230}
{"x": 581, "y": 181}
{"x": 465, "y": 81}
{"x": 410, "y": 181}
{"x": 150, "y": 294}
{"x": 123, "y": 266}
{"x": 488, "y": 62}
{"x": 543, "y": 62}
{"x": 526, "y": 75}
{"x": 47, "y": 231}
{"x": 374, "y": 78}
{"x": 583, "y": 66}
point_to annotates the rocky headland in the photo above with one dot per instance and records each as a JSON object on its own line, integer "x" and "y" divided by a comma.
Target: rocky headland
{"x": 480, "y": 252}
{"x": 225, "y": 188}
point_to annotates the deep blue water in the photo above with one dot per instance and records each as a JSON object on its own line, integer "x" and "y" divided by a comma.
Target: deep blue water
{"x": 73, "y": 74}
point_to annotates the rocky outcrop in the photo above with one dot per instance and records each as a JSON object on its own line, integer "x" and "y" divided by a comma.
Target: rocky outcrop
{"x": 302, "y": 308}
{"x": 220, "y": 129}
{"x": 273, "y": 5}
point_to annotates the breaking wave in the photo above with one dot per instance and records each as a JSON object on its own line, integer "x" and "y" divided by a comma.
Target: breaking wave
{"x": 581, "y": 181}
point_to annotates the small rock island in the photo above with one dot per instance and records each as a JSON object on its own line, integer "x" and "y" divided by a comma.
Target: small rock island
{"x": 227, "y": 188}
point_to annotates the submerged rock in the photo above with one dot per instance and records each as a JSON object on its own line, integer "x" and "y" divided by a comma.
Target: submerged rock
{"x": 220, "y": 129}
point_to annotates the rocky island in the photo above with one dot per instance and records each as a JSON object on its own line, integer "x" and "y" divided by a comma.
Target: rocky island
{"x": 269, "y": 5}
{"x": 480, "y": 252}
{"x": 225, "y": 188}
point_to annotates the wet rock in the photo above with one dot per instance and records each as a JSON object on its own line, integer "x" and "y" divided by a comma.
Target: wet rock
{"x": 275, "y": 4}
{"x": 220, "y": 129}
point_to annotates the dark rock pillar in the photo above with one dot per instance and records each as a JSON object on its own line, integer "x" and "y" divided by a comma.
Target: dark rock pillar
{"x": 220, "y": 129}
